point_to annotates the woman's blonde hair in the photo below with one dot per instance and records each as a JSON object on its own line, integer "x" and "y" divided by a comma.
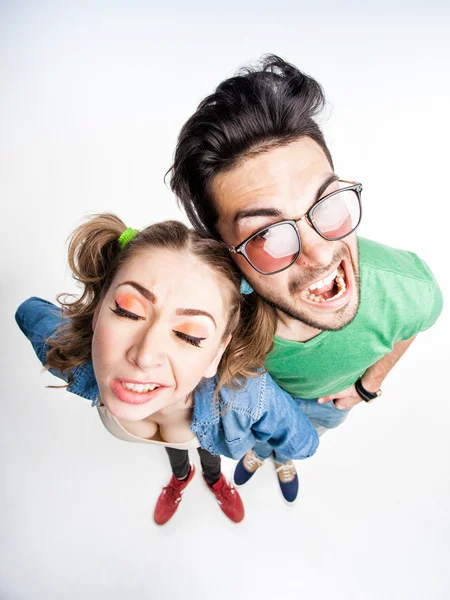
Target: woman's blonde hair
{"x": 95, "y": 256}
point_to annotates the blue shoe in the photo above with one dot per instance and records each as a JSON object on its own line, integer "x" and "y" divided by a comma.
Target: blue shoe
{"x": 246, "y": 468}
{"x": 288, "y": 480}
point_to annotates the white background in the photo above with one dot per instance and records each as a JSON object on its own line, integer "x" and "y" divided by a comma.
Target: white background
{"x": 93, "y": 96}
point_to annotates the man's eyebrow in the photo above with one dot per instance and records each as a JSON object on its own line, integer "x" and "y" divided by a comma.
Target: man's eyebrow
{"x": 274, "y": 212}
{"x": 193, "y": 312}
{"x": 325, "y": 184}
{"x": 141, "y": 289}
{"x": 256, "y": 212}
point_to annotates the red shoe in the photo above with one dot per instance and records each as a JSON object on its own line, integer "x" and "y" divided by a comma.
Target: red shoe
{"x": 170, "y": 498}
{"x": 228, "y": 498}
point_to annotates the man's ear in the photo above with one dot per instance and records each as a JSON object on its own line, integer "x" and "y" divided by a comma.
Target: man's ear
{"x": 212, "y": 368}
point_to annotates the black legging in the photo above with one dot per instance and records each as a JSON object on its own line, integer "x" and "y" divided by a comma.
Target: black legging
{"x": 179, "y": 461}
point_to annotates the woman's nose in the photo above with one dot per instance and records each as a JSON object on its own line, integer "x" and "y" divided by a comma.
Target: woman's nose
{"x": 147, "y": 351}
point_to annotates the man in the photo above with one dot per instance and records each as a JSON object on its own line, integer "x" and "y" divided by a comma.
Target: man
{"x": 252, "y": 168}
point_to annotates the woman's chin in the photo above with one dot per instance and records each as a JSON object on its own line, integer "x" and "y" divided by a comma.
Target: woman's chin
{"x": 139, "y": 411}
{"x": 128, "y": 412}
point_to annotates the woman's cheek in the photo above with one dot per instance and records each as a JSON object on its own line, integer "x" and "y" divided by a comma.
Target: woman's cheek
{"x": 190, "y": 370}
{"x": 106, "y": 341}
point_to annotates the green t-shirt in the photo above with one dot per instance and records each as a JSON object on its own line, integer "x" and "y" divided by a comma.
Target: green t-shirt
{"x": 399, "y": 297}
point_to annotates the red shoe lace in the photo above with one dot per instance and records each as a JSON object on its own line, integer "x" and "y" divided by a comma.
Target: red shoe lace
{"x": 227, "y": 491}
{"x": 171, "y": 493}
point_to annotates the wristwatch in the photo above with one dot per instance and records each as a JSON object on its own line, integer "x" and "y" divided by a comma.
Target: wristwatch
{"x": 365, "y": 394}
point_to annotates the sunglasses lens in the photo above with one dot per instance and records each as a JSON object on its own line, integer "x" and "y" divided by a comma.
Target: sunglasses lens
{"x": 274, "y": 248}
{"x": 338, "y": 215}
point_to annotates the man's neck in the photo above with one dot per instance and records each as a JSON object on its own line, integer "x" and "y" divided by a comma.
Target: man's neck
{"x": 294, "y": 330}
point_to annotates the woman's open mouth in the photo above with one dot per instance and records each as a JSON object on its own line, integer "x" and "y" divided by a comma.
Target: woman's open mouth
{"x": 331, "y": 292}
{"x": 132, "y": 392}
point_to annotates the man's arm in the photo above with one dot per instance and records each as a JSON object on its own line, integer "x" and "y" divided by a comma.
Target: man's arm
{"x": 372, "y": 378}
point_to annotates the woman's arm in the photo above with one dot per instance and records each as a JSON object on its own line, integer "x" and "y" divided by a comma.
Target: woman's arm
{"x": 284, "y": 426}
{"x": 39, "y": 320}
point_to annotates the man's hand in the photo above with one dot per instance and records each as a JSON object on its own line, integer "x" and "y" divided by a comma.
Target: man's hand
{"x": 343, "y": 400}
{"x": 372, "y": 378}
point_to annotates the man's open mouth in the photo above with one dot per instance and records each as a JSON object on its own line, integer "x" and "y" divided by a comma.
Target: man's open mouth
{"x": 331, "y": 287}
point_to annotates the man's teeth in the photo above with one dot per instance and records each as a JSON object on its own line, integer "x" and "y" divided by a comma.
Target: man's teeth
{"x": 323, "y": 282}
{"x": 140, "y": 388}
{"x": 338, "y": 274}
{"x": 340, "y": 282}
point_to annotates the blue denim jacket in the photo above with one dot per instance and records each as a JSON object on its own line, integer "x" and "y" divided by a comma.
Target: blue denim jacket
{"x": 260, "y": 411}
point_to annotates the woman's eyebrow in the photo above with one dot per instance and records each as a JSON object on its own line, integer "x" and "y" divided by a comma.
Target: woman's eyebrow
{"x": 189, "y": 312}
{"x": 193, "y": 312}
{"x": 141, "y": 289}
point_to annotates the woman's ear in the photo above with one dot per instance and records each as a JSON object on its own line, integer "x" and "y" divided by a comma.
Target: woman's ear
{"x": 95, "y": 317}
{"x": 212, "y": 368}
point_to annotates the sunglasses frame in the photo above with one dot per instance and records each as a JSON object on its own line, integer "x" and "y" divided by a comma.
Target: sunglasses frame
{"x": 241, "y": 247}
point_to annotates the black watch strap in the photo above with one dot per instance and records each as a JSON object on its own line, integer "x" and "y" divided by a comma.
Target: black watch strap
{"x": 365, "y": 394}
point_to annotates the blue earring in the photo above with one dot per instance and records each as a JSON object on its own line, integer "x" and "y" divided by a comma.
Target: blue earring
{"x": 246, "y": 288}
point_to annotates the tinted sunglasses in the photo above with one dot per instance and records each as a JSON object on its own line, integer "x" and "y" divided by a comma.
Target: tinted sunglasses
{"x": 276, "y": 247}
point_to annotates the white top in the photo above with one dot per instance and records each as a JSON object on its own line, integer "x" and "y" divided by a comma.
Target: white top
{"x": 116, "y": 429}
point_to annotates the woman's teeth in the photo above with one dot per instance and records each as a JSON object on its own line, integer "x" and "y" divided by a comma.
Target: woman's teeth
{"x": 338, "y": 275}
{"x": 140, "y": 388}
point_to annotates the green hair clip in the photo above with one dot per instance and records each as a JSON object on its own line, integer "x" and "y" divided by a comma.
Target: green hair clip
{"x": 128, "y": 235}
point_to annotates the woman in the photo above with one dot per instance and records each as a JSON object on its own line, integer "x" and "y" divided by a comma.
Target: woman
{"x": 161, "y": 342}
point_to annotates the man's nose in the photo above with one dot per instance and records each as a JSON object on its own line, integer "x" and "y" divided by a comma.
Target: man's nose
{"x": 316, "y": 251}
{"x": 147, "y": 351}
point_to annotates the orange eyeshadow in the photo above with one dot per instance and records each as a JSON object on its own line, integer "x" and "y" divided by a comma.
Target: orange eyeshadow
{"x": 193, "y": 330}
{"x": 130, "y": 303}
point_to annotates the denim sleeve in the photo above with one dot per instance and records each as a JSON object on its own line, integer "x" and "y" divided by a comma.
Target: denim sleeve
{"x": 283, "y": 425}
{"x": 39, "y": 320}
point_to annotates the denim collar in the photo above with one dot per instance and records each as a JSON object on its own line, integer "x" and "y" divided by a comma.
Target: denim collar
{"x": 84, "y": 383}
{"x": 207, "y": 410}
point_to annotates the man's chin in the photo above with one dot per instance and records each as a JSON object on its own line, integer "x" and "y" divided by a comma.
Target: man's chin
{"x": 322, "y": 319}
{"x": 329, "y": 322}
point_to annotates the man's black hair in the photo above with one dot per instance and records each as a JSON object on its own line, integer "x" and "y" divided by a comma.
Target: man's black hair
{"x": 262, "y": 107}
